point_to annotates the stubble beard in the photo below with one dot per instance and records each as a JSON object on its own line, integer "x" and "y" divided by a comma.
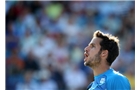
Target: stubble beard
{"x": 94, "y": 62}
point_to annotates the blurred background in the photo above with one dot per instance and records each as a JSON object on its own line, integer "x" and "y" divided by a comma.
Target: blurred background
{"x": 45, "y": 42}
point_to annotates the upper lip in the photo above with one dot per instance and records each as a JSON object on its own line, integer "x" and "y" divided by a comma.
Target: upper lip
{"x": 85, "y": 54}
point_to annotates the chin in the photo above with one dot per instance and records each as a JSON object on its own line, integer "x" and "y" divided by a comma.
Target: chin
{"x": 86, "y": 64}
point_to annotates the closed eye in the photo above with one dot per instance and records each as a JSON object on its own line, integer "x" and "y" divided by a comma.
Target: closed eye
{"x": 91, "y": 45}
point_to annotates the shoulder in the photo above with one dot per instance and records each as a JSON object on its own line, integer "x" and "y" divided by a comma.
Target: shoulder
{"x": 117, "y": 80}
{"x": 116, "y": 76}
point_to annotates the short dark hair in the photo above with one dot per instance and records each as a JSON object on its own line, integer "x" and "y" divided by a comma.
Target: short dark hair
{"x": 110, "y": 43}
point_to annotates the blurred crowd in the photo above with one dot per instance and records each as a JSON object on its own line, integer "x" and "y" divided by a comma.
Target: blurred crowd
{"x": 45, "y": 42}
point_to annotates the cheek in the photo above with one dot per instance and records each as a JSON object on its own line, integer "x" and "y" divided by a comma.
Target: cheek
{"x": 92, "y": 53}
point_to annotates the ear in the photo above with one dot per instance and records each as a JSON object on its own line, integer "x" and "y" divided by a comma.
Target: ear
{"x": 104, "y": 53}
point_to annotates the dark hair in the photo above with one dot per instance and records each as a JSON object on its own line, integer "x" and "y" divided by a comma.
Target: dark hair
{"x": 110, "y": 43}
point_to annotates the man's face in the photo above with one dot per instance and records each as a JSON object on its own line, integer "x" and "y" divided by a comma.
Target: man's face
{"x": 92, "y": 53}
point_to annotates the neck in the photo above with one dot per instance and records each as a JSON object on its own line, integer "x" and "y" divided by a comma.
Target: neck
{"x": 100, "y": 69}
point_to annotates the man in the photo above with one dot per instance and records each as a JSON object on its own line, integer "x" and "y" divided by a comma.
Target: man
{"x": 99, "y": 55}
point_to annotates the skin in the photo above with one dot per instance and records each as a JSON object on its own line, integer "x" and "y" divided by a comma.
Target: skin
{"x": 94, "y": 58}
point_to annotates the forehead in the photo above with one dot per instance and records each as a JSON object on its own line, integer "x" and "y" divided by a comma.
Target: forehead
{"x": 95, "y": 41}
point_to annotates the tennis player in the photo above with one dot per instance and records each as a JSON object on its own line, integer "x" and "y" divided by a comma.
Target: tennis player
{"x": 99, "y": 55}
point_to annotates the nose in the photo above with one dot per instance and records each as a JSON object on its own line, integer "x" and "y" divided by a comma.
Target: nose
{"x": 86, "y": 49}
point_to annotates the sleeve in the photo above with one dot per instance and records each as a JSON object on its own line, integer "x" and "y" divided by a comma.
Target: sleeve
{"x": 119, "y": 83}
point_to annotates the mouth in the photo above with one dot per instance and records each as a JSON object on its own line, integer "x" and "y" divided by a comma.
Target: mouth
{"x": 86, "y": 56}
